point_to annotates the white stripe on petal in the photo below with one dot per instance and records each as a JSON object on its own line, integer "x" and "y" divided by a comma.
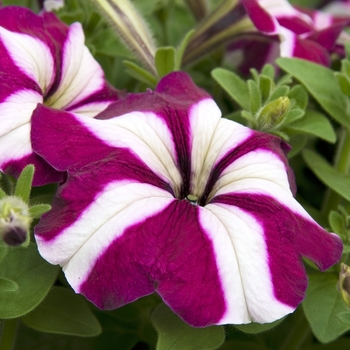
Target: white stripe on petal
{"x": 17, "y": 109}
{"x": 31, "y": 55}
{"x": 81, "y": 74}
{"x": 247, "y": 242}
{"x": 120, "y": 205}
{"x": 204, "y": 117}
{"x": 147, "y": 136}
{"x": 227, "y": 136}
{"x": 259, "y": 168}
{"x": 91, "y": 109}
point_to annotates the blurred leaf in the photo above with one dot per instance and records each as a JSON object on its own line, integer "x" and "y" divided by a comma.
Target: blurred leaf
{"x": 181, "y": 49}
{"x": 297, "y": 142}
{"x": 326, "y": 173}
{"x": 3, "y": 251}
{"x": 254, "y": 96}
{"x": 34, "y": 277}
{"x": 165, "y": 60}
{"x": 299, "y": 95}
{"x": 322, "y": 304}
{"x": 63, "y": 312}
{"x": 253, "y": 328}
{"x": 175, "y": 334}
{"x": 315, "y": 123}
{"x": 140, "y": 74}
{"x": 322, "y": 84}
{"x": 233, "y": 85}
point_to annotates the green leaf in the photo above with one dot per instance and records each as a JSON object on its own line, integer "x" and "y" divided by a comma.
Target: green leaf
{"x": 322, "y": 84}
{"x": 299, "y": 95}
{"x": 68, "y": 313}
{"x": 175, "y": 334}
{"x": 7, "y": 285}
{"x": 326, "y": 173}
{"x": 140, "y": 74}
{"x": 165, "y": 60}
{"x": 2, "y": 193}
{"x": 34, "y": 277}
{"x": 322, "y": 304}
{"x": 336, "y": 221}
{"x": 293, "y": 115}
{"x": 265, "y": 85}
{"x": 315, "y": 123}
{"x": 269, "y": 71}
{"x": 233, "y": 85}
{"x": 344, "y": 317}
{"x": 3, "y": 251}
{"x": 297, "y": 142}
{"x": 254, "y": 96}
{"x": 253, "y": 328}
{"x": 181, "y": 49}
{"x": 279, "y": 92}
{"x": 39, "y": 209}
{"x": 24, "y": 183}
{"x": 344, "y": 83}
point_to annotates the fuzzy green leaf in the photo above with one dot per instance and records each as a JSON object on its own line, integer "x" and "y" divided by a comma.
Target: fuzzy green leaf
{"x": 181, "y": 49}
{"x": 24, "y": 183}
{"x": 265, "y": 85}
{"x": 269, "y": 71}
{"x": 293, "y": 115}
{"x": 254, "y": 96}
{"x": 336, "y": 222}
{"x": 39, "y": 209}
{"x": 34, "y": 277}
{"x": 175, "y": 334}
{"x": 322, "y": 304}
{"x": 165, "y": 60}
{"x": 299, "y": 95}
{"x": 69, "y": 314}
{"x": 233, "y": 85}
{"x": 322, "y": 84}
{"x": 315, "y": 123}
{"x": 326, "y": 173}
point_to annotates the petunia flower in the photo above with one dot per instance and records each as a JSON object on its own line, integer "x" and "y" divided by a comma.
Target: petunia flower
{"x": 42, "y": 60}
{"x": 302, "y": 33}
{"x": 164, "y": 195}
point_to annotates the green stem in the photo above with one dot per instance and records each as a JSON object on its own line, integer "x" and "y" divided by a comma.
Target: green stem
{"x": 342, "y": 164}
{"x": 297, "y": 336}
{"x": 8, "y": 334}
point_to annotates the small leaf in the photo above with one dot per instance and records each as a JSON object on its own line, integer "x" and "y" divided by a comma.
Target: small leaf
{"x": 165, "y": 60}
{"x": 293, "y": 115}
{"x": 34, "y": 277}
{"x": 265, "y": 85}
{"x": 140, "y": 74}
{"x": 39, "y": 209}
{"x": 344, "y": 83}
{"x": 297, "y": 142}
{"x": 2, "y": 193}
{"x": 315, "y": 123}
{"x": 253, "y": 328}
{"x": 336, "y": 222}
{"x": 279, "y": 92}
{"x": 299, "y": 95}
{"x": 344, "y": 317}
{"x": 7, "y": 285}
{"x": 68, "y": 313}
{"x": 322, "y": 304}
{"x": 326, "y": 173}
{"x": 233, "y": 85}
{"x": 269, "y": 71}
{"x": 175, "y": 334}
{"x": 24, "y": 183}
{"x": 322, "y": 84}
{"x": 254, "y": 96}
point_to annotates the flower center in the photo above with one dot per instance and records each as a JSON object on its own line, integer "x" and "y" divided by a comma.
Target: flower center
{"x": 192, "y": 199}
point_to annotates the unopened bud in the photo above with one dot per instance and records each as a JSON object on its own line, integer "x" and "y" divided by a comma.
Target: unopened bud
{"x": 14, "y": 220}
{"x": 344, "y": 283}
{"x": 274, "y": 112}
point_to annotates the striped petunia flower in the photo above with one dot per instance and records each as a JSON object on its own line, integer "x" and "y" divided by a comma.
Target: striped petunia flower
{"x": 164, "y": 195}
{"x": 309, "y": 34}
{"x": 43, "y": 61}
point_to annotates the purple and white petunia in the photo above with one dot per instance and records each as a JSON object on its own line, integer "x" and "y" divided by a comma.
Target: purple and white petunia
{"x": 42, "y": 60}
{"x": 311, "y": 35}
{"x": 164, "y": 195}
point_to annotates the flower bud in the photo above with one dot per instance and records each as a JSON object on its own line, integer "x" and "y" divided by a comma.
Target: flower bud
{"x": 344, "y": 283}
{"x": 14, "y": 220}
{"x": 273, "y": 113}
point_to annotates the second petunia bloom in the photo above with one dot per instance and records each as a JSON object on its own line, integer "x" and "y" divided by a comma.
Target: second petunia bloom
{"x": 42, "y": 60}
{"x": 164, "y": 195}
